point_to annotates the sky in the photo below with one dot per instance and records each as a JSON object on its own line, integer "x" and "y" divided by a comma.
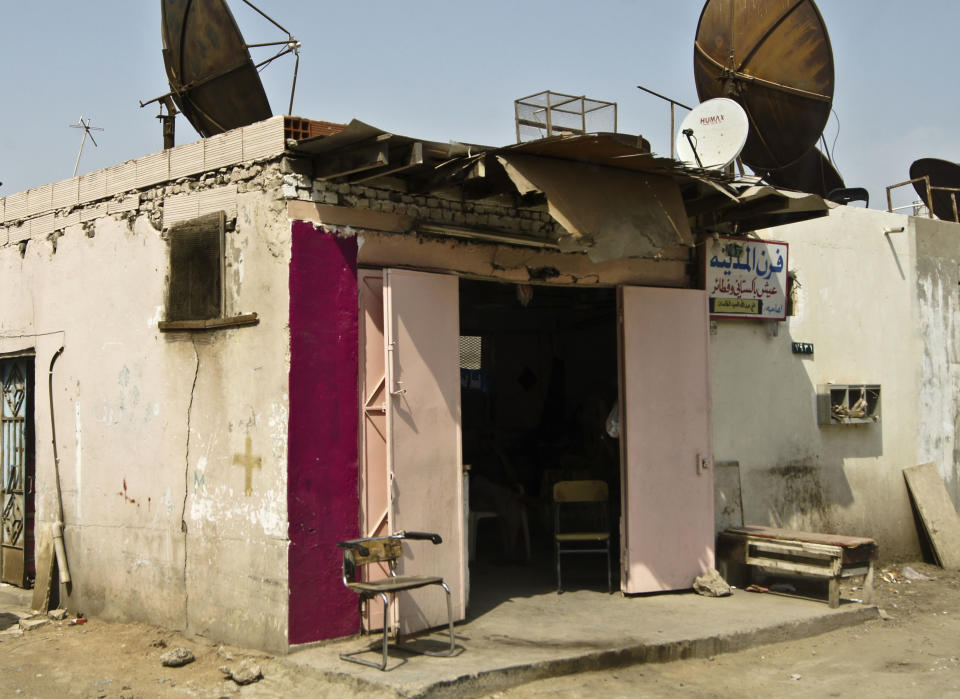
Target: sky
{"x": 447, "y": 70}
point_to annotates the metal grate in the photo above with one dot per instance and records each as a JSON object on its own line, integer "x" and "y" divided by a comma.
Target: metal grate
{"x": 471, "y": 352}
{"x": 547, "y": 114}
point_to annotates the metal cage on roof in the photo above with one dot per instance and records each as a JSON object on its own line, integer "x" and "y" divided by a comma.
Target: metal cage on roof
{"x": 547, "y": 114}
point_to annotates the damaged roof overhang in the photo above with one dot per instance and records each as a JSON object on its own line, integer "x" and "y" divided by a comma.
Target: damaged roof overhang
{"x": 611, "y": 197}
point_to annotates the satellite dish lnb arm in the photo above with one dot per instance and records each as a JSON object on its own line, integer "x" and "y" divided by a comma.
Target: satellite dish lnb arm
{"x": 689, "y": 134}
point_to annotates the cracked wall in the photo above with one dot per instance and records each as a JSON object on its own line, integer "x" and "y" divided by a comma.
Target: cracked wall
{"x": 172, "y": 445}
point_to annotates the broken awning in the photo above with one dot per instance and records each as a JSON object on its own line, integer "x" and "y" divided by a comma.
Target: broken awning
{"x": 610, "y": 212}
{"x": 610, "y": 196}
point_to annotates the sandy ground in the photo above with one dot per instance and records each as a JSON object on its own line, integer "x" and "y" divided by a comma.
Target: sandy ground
{"x": 914, "y": 652}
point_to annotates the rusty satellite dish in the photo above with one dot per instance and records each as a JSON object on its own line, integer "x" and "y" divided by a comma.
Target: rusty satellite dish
{"x": 212, "y": 78}
{"x": 944, "y": 182}
{"x": 774, "y": 58}
{"x": 813, "y": 173}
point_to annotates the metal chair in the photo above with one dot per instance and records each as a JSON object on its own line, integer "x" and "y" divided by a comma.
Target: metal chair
{"x": 388, "y": 549}
{"x": 592, "y": 532}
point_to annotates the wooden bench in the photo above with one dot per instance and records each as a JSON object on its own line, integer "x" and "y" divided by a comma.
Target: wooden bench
{"x": 827, "y": 556}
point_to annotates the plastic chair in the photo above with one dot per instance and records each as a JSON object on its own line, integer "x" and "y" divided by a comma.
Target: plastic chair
{"x": 591, "y": 519}
{"x": 388, "y": 549}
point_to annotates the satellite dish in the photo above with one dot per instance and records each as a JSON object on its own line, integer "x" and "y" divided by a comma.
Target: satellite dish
{"x": 942, "y": 173}
{"x": 212, "y": 78}
{"x": 712, "y": 134}
{"x": 813, "y": 174}
{"x": 774, "y": 58}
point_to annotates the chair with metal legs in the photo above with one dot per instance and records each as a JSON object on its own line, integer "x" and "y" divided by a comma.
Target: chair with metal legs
{"x": 388, "y": 549}
{"x": 581, "y": 522}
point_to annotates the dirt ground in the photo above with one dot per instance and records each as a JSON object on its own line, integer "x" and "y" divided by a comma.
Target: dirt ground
{"x": 913, "y": 651}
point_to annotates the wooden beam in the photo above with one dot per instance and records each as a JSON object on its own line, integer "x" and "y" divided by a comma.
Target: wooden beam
{"x": 209, "y": 324}
{"x": 398, "y": 161}
{"x": 354, "y": 159}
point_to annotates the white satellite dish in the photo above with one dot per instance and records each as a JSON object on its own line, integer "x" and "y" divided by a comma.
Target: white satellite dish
{"x": 713, "y": 134}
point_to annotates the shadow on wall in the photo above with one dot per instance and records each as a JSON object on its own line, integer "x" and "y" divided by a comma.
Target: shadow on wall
{"x": 765, "y": 417}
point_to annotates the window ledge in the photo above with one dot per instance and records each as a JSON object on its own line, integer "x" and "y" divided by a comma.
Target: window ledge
{"x": 209, "y": 324}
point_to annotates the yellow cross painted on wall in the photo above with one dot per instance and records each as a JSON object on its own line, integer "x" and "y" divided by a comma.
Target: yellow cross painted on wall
{"x": 249, "y": 462}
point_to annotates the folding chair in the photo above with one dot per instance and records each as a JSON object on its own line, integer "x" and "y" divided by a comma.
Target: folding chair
{"x": 588, "y": 500}
{"x": 388, "y": 549}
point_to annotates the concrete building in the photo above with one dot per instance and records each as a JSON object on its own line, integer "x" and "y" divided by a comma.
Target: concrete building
{"x": 295, "y": 333}
{"x": 875, "y": 303}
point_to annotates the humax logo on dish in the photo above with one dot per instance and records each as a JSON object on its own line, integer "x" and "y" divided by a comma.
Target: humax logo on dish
{"x": 711, "y": 120}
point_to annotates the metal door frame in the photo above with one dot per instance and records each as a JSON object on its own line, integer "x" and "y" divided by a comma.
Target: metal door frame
{"x": 17, "y": 470}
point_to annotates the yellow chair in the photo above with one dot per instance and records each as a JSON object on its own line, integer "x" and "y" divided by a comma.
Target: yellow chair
{"x": 583, "y": 506}
{"x": 388, "y": 549}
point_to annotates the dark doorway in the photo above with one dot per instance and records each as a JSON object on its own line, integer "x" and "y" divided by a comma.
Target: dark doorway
{"x": 538, "y": 383}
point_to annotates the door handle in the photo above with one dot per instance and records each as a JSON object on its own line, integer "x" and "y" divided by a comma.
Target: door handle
{"x": 396, "y": 390}
{"x": 703, "y": 464}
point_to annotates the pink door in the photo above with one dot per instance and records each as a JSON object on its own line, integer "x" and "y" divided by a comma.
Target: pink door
{"x": 374, "y": 493}
{"x": 667, "y": 535}
{"x": 422, "y": 331}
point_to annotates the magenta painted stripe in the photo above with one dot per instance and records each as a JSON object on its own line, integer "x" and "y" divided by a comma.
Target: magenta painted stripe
{"x": 322, "y": 497}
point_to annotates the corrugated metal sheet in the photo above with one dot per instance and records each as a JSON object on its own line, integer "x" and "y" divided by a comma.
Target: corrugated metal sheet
{"x": 16, "y": 207}
{"x": 263, "y": 139}
{"x": 93, "y": 213}
{"x": 180, "y": 207}
{"x": 153, "y": 169}
{"x": 66, "y": 193}
{"x": 3, "y": 208}
{"x": 186, "y": 160}
{"x": 4, "y": 236}
{"x": 128, "y": 203}
{"x": 219, "y": 199}
{"x": 223, "y": 150}
{"x": 121, "y": 178}
{"x": 93, "y": 186}
{"x": 39, "y": 199}
{"x": 42, "y": 227}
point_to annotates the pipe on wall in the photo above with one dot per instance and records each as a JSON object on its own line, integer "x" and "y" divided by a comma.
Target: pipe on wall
{"x": 57, "y": 528}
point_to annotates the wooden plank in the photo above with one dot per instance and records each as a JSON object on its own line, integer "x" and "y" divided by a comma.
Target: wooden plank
{"x": 209, "y": 324}
{"x": 937, "y": 512}
{"x": 727, "y": 498}
{"x": 44, "y": 581}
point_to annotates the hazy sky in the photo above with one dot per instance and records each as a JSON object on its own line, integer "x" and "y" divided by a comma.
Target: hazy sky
{"x": 449, "y": 70}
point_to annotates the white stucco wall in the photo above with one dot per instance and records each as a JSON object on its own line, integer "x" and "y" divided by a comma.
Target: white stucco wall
{"x": 938, "y": 284}
{"x": 159, "y": 526}
{"x": 859, "y": 305}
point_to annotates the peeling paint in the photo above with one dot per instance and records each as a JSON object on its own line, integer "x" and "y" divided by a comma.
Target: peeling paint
{"x": 200, "y": 475}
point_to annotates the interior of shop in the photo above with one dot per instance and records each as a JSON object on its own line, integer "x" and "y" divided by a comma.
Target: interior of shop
{"x": 539, "y": 394}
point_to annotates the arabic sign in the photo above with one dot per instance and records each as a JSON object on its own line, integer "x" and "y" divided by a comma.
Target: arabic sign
{"x": 747, "y": 278}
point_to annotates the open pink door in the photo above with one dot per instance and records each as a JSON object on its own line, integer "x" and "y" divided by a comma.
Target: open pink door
{"x": 667, "y": 535}
{"x": 422, "y": 326}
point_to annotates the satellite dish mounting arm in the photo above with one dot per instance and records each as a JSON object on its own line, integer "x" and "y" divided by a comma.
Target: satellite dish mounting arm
{"x": 292, "y": 46}
{"x": 689, "y": 134}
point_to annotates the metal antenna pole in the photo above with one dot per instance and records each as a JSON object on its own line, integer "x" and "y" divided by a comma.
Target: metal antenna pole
{"x": 673, "y": 105}
{"x": 85, "y": 125}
